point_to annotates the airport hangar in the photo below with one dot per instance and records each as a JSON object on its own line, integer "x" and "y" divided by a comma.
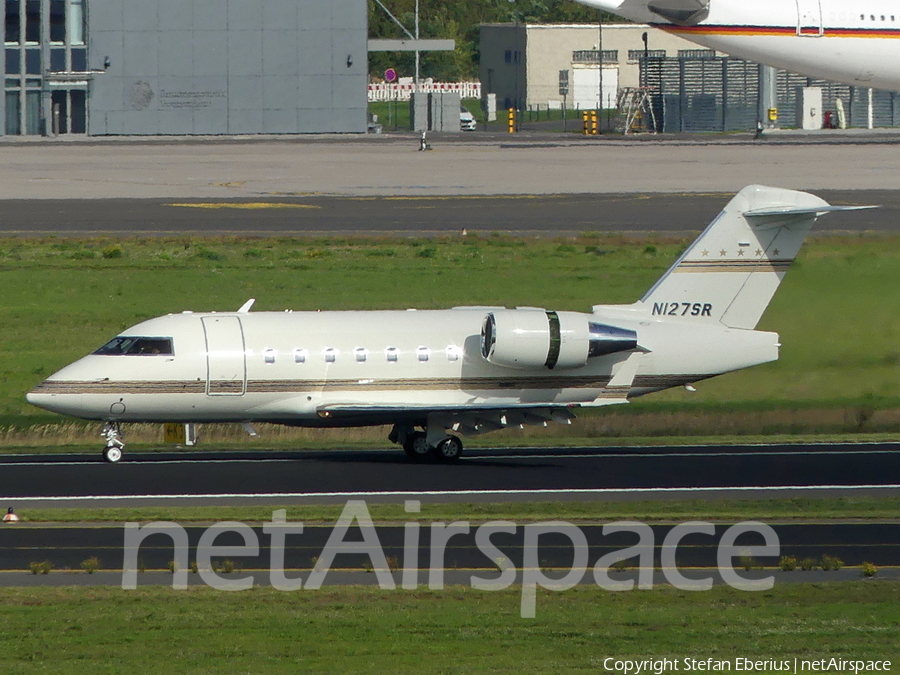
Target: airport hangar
{"x": 180, "y": 67}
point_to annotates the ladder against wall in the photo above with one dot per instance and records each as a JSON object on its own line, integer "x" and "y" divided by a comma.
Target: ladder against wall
{"x": 635, "y": 110}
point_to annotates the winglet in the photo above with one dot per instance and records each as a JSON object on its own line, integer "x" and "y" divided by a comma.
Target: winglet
{"x": 245, "y": 308}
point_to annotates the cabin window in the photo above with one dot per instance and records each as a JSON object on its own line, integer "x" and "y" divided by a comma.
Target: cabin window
{"x": 330, "y": 355}
{"x": 270, "y": 354}
{"x": 137, "y": 346}
{"x": 392, "y": 354}
{"x": 423, "y": 353}
{"x": 453, "y": 353}
{"x": 300, "y": 355}
{"x": 361, "y": 353}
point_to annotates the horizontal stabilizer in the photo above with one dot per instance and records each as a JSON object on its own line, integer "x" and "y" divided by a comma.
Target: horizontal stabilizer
{"x": 803, "y": 211}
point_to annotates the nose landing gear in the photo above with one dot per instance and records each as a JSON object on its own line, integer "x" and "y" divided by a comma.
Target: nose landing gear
{"x": 112, "y": 432}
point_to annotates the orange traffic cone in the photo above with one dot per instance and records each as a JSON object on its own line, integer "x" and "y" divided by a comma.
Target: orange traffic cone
{"x": 10, "y": 517}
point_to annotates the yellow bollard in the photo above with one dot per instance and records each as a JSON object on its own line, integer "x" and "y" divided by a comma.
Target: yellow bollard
{"x": 512, "y": 120}
{"x": 595, "y": 128}
{"x": 585, "y": 127}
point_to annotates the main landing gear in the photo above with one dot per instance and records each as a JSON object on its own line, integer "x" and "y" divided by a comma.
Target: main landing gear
{"x": 418, "y": 446}
{"x": 112, "y": 432}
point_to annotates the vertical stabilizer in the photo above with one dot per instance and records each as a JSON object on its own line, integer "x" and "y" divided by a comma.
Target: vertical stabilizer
{"x": 730, "y": 273}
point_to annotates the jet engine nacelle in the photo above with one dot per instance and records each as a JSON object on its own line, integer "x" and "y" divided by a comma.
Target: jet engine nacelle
{"x": 530, "y": 338}
{"x": 681, "y": 12}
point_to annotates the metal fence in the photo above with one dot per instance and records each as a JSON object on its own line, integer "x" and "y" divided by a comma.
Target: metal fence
{"x": 885, "y": 104}
{"x": 702, "y": 93}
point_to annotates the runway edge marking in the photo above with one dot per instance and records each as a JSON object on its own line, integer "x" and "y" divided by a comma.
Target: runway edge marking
{"x": 443, "y": 493}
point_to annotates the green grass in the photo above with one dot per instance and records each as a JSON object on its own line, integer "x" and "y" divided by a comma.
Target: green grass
{"x": 799, "y": 509}
{"x": 458, "y": 630}
{"x": 839, "y": 371}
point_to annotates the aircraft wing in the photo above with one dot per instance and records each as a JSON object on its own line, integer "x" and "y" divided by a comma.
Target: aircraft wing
{"x": 470, "y": 420}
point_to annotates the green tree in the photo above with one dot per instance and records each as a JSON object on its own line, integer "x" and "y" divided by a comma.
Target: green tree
{"x": 459, "y": 20}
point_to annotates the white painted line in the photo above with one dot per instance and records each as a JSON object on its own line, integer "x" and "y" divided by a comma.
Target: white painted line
{"x": 657, "y": 455}
{"x": 451, "y": 493}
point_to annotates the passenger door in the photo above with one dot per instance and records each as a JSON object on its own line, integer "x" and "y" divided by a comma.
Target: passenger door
{"x": 226, "y": 360}
{"x": 809, "y": 18}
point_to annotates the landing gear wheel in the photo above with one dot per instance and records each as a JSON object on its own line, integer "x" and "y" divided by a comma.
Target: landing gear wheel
{"x": 416, "y": 445}
{"x": 448, "y": 450}
{"x": 112, "y": 453}
{"x": 112, "y": 432}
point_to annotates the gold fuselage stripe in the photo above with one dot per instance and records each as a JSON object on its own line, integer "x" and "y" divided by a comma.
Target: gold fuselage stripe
{"x": 60, "y": 387}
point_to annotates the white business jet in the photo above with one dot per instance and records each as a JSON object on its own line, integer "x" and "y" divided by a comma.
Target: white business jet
{"x": 467, "y": 370}
{"x": 854, "y": 43}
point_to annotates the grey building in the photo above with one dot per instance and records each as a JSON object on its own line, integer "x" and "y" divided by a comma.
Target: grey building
{"x": 149, "y": 67}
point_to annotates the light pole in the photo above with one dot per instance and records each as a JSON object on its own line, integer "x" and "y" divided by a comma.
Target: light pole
{"x": 600, "y": 54}
{"x": 417, "y": 47}
{"x": 517, "y": 57}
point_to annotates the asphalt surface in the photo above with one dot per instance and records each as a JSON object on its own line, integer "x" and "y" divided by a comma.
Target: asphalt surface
{"x": 316, "y": 215}
{"x": 353, "y": 166}
{"x": 66, "y": 547}
{"x": 482, "y": 475}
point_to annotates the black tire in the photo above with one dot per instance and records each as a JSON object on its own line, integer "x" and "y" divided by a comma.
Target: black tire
{"x": 416, "y": 446}
{"x": 112, "y": 454}
{"x": 448, "y": 450}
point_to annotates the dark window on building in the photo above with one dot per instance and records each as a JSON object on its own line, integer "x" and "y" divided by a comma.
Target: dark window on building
{"x": 60, "y": 112}
{"x": 13, "y": 62}
{"x": 13, "y": 126}
{"x": 518, "y": 57}
{"x": 32, "y": 61}
{"x": 57, "y": 21}
{"x": 79, "y": 112}
{"x": 13, "y": 25}
{"x": 79, "y": 60}
{"x": 57, "y": 60}
{"x": 33, "y": 113}
{"x": 32, "y": 21}
{"x": 507, "y": 56}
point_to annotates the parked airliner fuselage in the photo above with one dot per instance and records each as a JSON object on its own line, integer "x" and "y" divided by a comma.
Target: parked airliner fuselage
{"x": 854, "y": 43}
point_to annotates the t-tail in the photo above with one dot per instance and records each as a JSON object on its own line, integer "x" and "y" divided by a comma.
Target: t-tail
{"x": 731, "y": 272}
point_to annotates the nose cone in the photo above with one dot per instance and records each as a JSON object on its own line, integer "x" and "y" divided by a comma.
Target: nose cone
{"x": 42, "y": 398}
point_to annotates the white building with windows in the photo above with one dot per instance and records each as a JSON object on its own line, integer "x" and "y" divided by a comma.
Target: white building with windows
{"x": 522, "y": 62}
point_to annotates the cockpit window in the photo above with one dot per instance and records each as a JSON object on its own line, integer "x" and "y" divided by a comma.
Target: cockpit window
{"x": 137, "y": 346}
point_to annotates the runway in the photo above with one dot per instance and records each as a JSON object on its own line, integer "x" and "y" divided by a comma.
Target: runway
{"x": 482, "y": 475}
{"x": 66, "y": 547}
{"x": 316, "y": 215}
